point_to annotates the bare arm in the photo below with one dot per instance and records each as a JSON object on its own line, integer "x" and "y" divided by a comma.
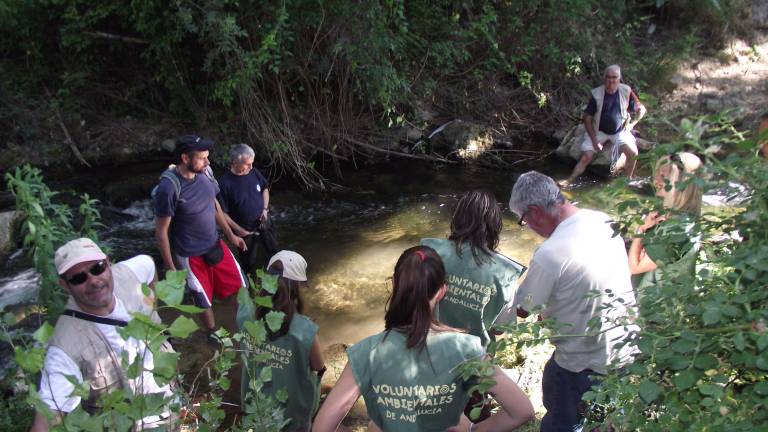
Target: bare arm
{"x": 591, "y": 132}
{"x": 517, "y": 411}
{"x": 41, "y": 424}
{"x": 265, "y": 197}
{"x": 338, "y": 403}
{"x": 639, "y": 261}
{"x": 639, "y": 114}
{"x": 162, "y": 224}
{"x": 221, "y": 221}
{"x": 316, "y": 362}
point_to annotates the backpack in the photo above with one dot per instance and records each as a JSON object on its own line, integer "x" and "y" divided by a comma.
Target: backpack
{"x": 174, "y": 179}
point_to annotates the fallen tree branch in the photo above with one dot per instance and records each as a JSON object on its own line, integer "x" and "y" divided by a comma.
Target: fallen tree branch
{"x": 70, "y": 141}
{"x": 128, "y": 39}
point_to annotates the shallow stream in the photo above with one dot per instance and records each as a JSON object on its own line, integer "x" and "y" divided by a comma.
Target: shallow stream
{"x": 351, "y": 239}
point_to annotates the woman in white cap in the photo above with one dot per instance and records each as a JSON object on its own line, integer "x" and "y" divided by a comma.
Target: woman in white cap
{"x": 294, "y": 353}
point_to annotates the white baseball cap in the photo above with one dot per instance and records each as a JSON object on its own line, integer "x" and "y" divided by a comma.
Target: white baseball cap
{"x": 75, "y": 252}
{"x": 294, "y": 265}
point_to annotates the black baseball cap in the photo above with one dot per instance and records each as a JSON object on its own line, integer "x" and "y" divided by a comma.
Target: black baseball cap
{"x": 188, "y": 143}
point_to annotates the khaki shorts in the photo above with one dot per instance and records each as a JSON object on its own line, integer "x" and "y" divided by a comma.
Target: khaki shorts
{"x": 623, "y": 138}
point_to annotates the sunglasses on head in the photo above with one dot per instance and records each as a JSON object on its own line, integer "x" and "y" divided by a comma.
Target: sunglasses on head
{"x": 81, "y": 277}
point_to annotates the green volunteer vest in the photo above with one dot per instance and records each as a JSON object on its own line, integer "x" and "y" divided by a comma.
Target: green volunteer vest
{"x": 673, "y": 245}
{"x": 476, "y": 293}
{"x": 407, "y": 390}
{"x": 289, "y": 360}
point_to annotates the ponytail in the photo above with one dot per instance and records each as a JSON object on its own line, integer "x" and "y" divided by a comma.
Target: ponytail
{"x": 419, "y": 275}
{"x": 286, "y": 299}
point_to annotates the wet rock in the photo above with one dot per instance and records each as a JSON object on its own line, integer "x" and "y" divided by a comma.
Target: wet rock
{"x": 461, "y": 139}
{"x": 335, "y": 357}
{"x": 8, "y": 221}
{"x": 167, "y": 145}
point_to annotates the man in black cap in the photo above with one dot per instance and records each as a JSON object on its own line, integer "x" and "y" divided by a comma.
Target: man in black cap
{"x": 187, "y": 197}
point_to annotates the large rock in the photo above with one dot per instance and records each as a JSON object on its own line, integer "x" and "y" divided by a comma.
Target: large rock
{"x": 461, "y": 139}
{"x": 7, "y": 227}
{"x": 760, "y": 13}
{"x": 570, "y": 151}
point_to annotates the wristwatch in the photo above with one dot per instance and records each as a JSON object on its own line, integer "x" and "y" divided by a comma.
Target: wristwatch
{"x": 639, "y": 231}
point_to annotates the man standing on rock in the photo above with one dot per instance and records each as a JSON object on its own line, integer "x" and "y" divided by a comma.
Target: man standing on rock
{"x": 580, "y": 276}
{"x": 186, "y": 215}
{"x": 609, "y": 117}
{"x": 244, "y": 198}
{"x": 86, "y": 345}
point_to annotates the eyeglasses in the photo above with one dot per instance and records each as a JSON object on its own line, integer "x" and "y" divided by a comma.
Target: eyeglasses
{"x": 95, "y": 270}
{"x": 612, "y": 76}
{"x": 522, "y": 221}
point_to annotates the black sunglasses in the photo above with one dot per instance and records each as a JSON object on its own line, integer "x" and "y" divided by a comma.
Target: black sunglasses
{"x": 95, "y": 270}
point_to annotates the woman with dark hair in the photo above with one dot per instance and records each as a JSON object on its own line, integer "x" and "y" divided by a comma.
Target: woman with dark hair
{"x": 480, "y": 280}
{"x": 408, "y": 374}
{"x": 294, "y": 353}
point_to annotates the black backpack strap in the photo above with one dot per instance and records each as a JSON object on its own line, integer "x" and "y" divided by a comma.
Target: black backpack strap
{"x": 93, "y": 318}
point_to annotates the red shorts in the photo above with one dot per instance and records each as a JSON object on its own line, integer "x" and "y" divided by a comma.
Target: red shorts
{"x": 205, "y": 281}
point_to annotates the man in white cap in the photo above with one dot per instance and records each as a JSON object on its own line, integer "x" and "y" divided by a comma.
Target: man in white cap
{"x": 86, "y": 344}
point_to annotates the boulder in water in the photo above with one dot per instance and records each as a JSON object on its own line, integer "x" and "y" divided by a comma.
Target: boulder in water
{"x": 461, "y": 139}
{"x": 570, "y": 151}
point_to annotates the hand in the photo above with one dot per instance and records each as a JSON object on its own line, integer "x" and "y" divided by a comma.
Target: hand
{"x": 597, "y": 145}
{"x": 238, "y": 242}
{"x": 264, "y": 215}
{"x": 651, "y": 220}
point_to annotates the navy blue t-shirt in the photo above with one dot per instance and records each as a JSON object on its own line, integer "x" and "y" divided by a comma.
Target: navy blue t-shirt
{"x": 241, "y": 197}
{"x": 193, "y": 224}
{"x": 610, "y": 116}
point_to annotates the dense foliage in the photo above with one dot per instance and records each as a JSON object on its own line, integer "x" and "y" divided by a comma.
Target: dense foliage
{"x": 299, "y": 77}
{"x": 48, "y": 223}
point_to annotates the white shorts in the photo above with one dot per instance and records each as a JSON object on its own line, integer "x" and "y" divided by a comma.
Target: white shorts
{"x": 623, "y": 138}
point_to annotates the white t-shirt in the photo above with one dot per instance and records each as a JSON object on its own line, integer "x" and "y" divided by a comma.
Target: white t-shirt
{"x": 578, "y": 271}
{"x": 55, "y": 388}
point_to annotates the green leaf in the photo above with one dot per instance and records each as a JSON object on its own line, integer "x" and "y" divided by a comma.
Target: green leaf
{"x": 43, "y": 333}
{"x": 182, "y": 327}
{"x": 264, "y": 301}
{"x": 685, "y": 379}
{"x": 171, "y": 289}
{"x": 683, "y": 346}
{"x": 80, "y": 420}
{"x": 275, "y": 320}
{"x": 269, "y": 283}
{"x": 165, "y": 364}
{"x": 649, "y": 391}
{"x": 256, "y": 330}
{"x": 29, "y": 360}
{"x": 711, "y": 316}
{"x": 705, "y": 362}
{"x": 761, "y": 388}
{"x": 738, "y": 341}
{"x": 266, "y": 374}
{"x": 713, "y": 390}
{"x": 188, "y": 308}
{"x": 475, "y": 413}
{"x": 762, "y": 342}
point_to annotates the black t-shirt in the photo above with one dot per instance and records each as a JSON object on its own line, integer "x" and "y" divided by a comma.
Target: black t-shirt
{"x": 610, "y": 116}
{"x": 241, "y": 197}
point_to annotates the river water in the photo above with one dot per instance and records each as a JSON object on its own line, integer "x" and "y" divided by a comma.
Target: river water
{"x": 351, "y": 239}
